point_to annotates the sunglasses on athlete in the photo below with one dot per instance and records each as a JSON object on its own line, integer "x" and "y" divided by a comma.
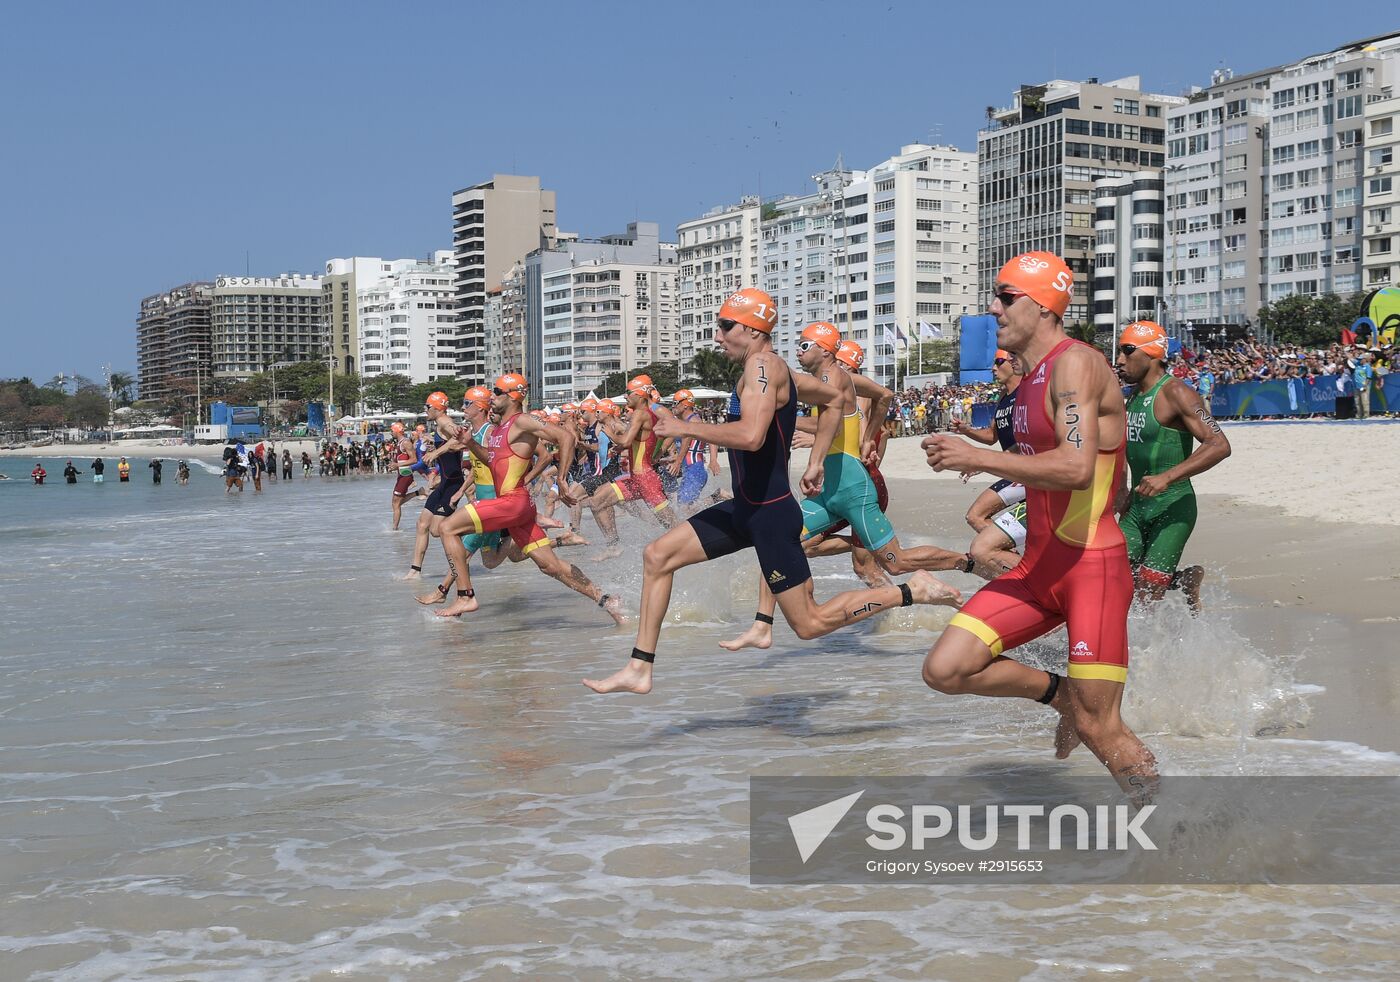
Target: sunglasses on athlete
{"x": 1127, "y": 349}
{"x": 1007, "y": 296}
{"x": 1000, "y": 361}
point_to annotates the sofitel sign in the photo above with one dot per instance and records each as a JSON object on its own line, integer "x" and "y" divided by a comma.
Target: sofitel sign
{"x": 295, "y": 282}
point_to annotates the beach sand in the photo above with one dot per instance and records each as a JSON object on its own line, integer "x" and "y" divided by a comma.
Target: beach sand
{"x": 1317, "y": 469}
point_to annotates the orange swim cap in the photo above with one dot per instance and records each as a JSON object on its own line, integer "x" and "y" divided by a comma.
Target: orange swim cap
{"x": 396, "y": 429}
{"x": 609, "y": 408}
{"x": 569, "y": 408}
{"x": 1042, "y": 276}
{"x": 479, "y": 395}
{"x": 641, "y": 385}
{"x": 1145, "y": 336}
{"x": 851, "y": 355}
{"x": 514, "y": 384}
{"x": 752, "y": 308}
{"x": 437, "y": 400}
{"x": 683, "y": 397}
{"x": 589, "y": 405}
{"x": 1003, "y": 354}
{"x": 824, "y": 335}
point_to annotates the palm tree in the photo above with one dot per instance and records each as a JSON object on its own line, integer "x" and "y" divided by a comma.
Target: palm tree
{"x": 121, "y": 383}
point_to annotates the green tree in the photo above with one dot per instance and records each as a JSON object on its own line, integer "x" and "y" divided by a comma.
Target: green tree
{"x": 122, "y": 384}
{"x": 388, "y": 392}
{"x": 663, "y": 376}
{"x": 929, "y": 357}
{"x": 712, "y": 369}
{"x": 418, "y": 394}
{"x": 1309, "y": 321}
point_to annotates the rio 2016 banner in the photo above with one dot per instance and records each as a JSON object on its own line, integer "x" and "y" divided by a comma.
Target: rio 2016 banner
{"x": 1299, "y": 397}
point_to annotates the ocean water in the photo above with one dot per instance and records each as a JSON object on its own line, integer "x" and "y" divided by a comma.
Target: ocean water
{"x": 232, "y": 747}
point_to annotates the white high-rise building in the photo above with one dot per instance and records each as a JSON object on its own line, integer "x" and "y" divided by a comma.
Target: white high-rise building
{"x": 595, "y": 307}
{"x": 1266, "y": 183}
{"x": 1381, "y": 195}
{"x": 404, "y": 316}
{"x": 1038, "y": 160}
{"x": 494, "y": 225}
{"x": 718, "y": 254}
{"x": 797, "y": 257}
{"x": 1127, "y": 249}
{"x": 906, "y": 251}
{"x": 257, "y": 322}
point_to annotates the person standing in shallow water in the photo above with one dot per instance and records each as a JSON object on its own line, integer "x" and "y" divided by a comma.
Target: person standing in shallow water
{"x": 155, "y": 466}
{"x": 98, "y": 466}
{"x": 70, "y": 473}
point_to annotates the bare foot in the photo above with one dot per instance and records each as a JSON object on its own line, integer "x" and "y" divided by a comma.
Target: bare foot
{"x": 545, "y": 522}
{"x": 1066, "y": 738}
{"x": 462, "y": 605}
{"x": 428, "y": 599}
{"x": 611, "y": 552}
{"x": 413, "y": 574}
{"x": 759, "y": 635}
{"x": 928, "y": 589}
{"x": 569, "y": 539}
{"x": 614, "y": 609}
{"x": 635, "y": 678}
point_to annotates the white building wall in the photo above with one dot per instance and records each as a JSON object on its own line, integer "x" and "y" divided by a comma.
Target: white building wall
{"x": 404, "y": 315}
{"x": 717, "y": 254}
{"x": 1381, "y": 195}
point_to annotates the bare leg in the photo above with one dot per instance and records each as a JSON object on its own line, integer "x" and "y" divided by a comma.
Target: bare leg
{"x": 422, "y": 532}
{"x": 451, "y": 531}
{"x": 397, "y": 506}
{"x": 678, "y": 548}
{"x": 812, "y": 620}
{"x": 897, "y": 560}
{"x": 991, "y": 551}
{"x": 603, "y": 501}
{"x": 1189, "y": 580}
{"x": 961, "y": 663}
{"x": 574, "y": 578}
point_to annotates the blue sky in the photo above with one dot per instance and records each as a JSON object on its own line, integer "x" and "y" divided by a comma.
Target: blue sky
{"x": 148, "y": 144}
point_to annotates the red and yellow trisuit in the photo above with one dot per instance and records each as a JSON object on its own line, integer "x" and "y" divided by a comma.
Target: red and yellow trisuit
{"x": 1075, "y": 571}
{"x": 512, "y": 510}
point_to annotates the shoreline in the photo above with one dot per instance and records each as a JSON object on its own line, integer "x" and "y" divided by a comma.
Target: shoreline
{"x": 1315, "y": 596}
{"x": 147, "y": 449}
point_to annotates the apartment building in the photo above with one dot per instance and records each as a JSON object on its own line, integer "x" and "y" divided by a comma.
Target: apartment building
{"x": 1380, "y": 255}
{"x": 259, "y": 321}
{"x": 1267, "y": 182}
{"x": 717, "y": 254}
{"x": 1037, "y": 163}
{"x": 1127, "y": 249}
{"x": 494, "y": 225}
{"x": 403, "y": 315}
{"x": 173, "y": 338}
